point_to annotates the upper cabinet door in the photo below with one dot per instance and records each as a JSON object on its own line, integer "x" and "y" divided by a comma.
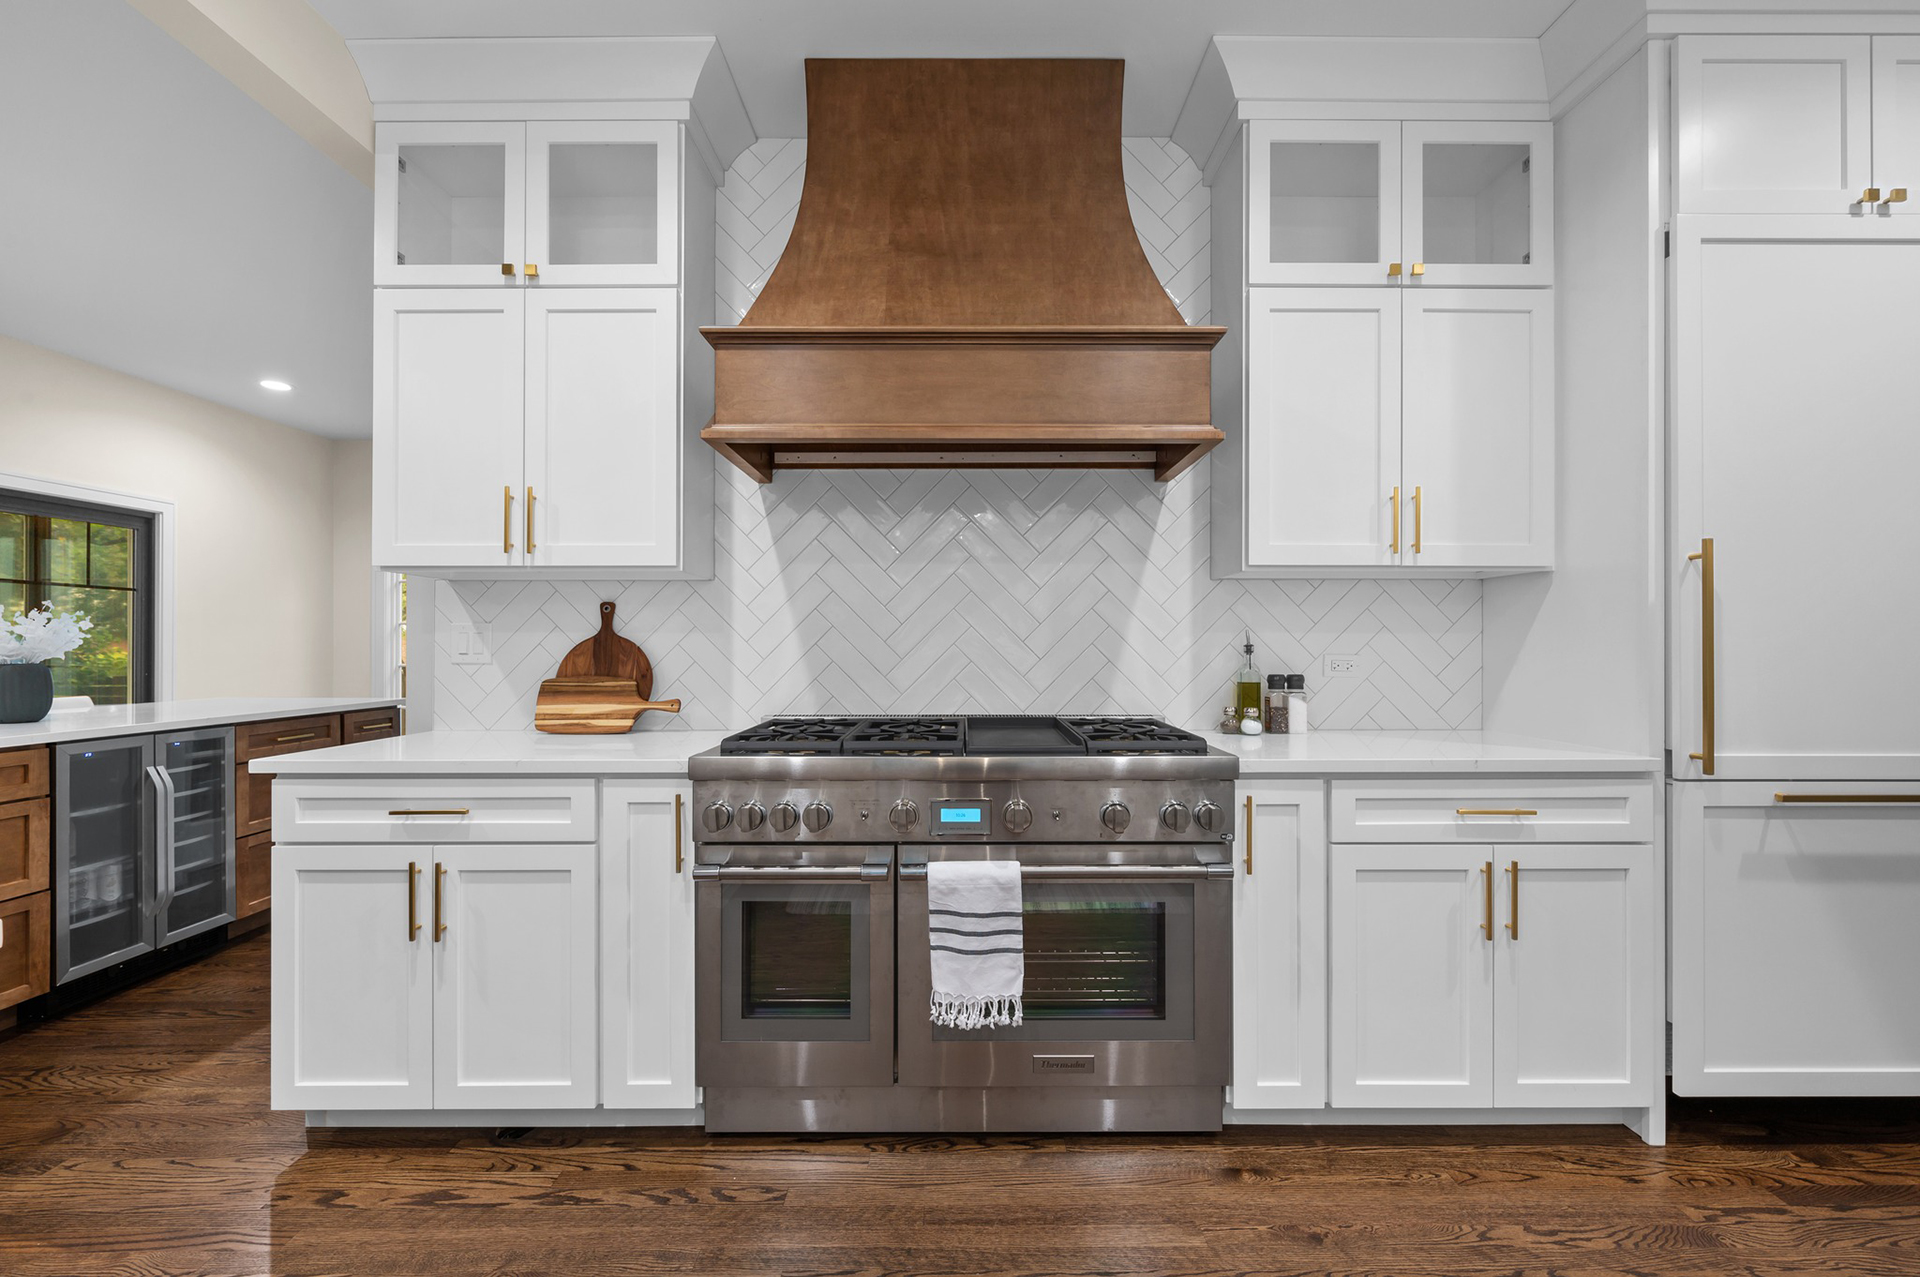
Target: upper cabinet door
{"x": 1477, "y": 434}
{"x": 1773, "y": 124}
{"x": 1896, "y": 122}
{"x": 1325, "y": 200}
{"x": 603, "y": 201}
{"x": 1323, "y": 427}
{"x": 448, "y": 370}
{"x": 1477, "y": 203}
{"x": 603, "y": 427}
{"x": 449, "y": 204}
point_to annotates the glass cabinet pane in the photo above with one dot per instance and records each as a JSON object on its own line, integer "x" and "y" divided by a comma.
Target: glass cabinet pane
{"x": 201, "y": 780}
{"x": 102, "y": 832}
{"x": 452, "y": 204}
{"x": 603, "y": 203}
{"x": 1477, "y": 203}
{"x": 1325, "y": 202}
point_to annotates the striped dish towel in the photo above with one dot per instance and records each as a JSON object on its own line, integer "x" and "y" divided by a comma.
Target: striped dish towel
{"x": 974, "y": 937}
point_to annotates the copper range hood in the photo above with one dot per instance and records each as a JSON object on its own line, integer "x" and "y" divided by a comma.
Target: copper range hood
{"x": 963, "y": 286}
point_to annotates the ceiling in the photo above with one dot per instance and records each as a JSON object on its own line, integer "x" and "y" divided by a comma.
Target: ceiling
{"x": 164, "y": 224}
{"x": 765, "y": 40}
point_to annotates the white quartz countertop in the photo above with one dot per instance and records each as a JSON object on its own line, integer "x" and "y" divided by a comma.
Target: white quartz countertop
{"x": 665, "y": 753}
{"x": 173, "y": 716}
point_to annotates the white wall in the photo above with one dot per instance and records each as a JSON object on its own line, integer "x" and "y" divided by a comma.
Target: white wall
{"x": 257, "y": 611}
{"x": 352, "y": 567}
{"x": 1575, "y": 654}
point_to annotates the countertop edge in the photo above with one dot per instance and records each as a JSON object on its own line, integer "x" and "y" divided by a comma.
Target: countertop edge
{"x": 50, "y": 731}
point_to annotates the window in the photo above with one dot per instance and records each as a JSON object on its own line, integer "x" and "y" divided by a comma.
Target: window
{"x": 91, "y": 559}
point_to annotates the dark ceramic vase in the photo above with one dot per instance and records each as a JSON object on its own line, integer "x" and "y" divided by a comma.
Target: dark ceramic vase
{"x": 26, "y": 693}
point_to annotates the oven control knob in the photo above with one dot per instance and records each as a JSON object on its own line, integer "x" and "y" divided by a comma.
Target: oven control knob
{"x": 904, "y": 816}
{"x": 1017, "y": 817}
{"x": 752, "y": 816}
{"x": 1176, "y": 817}
{"x": 816, "y": 816}
{"x": 1116, "y": 817}
{"x": 717, "y": 817}
{"x": 784, "y": 817}
{"x": 1208, "y": 814}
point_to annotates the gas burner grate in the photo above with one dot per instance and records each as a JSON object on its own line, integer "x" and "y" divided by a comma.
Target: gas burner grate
{"x": 791, "y": 736}
{"x": 1135, "y": 736}
{"x": 912, "y": 736}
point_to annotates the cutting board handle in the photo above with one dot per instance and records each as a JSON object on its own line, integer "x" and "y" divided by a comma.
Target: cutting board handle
{"x": 603, "y": 641}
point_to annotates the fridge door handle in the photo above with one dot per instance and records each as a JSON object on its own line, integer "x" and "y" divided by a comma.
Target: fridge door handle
{"x": 150, "y": 903}
{"x": 167, "y": 848}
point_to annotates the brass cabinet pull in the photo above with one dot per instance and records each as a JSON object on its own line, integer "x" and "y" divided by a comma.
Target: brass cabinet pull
{"x": 1513, "y": 900}
{"x": 529, "y": 520}
{"x": 1249, "y": 852}
{"x": 428, "y": 811}
{"x": 1416, "y": 518}
{"x": 1869, "y": 196}
{"x": 679, "y": 859}
{"x": 506, "y": 523}
{"x": 533, "y": 270}
{"x": 1393, "y": 270}
{"x": 1486, "y": 924}
{"x": 1419, "y": 268}
{"x": 1898, "y": 195}
{"x": 1395, "y": 547}
{"x": 439, "y": 880}
{"x": 1846, "y": 798}
{"x": 373, "y": 726}
{"x": 288, "y": 740}
{"x": 413, "y": 900}
{"x": 1495, "y": 811}
{"x": 506, "y": 268}
{"x": 1705, "y": 557}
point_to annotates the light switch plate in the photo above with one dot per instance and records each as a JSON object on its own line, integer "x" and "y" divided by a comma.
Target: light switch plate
{"x": 470, "y": 644}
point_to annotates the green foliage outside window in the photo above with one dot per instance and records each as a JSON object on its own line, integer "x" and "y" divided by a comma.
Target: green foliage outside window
{"x": 81, "y": 567}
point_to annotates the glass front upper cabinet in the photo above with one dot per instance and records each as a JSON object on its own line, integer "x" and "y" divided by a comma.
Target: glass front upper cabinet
{"x": 1420, "y": 204}
{"x": 512, "y": 205}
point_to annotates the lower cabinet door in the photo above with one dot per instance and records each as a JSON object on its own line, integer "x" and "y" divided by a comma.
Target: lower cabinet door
{"x": 1280, "y": 948}
{"x": 514, "y": 991}
{"x": 1796, "y": 954}
{"x": 352, "y": 978}
{"x": 1576, "y": 977}
{"x": 1411, "y": 976}
{"x": 646, "y": 946}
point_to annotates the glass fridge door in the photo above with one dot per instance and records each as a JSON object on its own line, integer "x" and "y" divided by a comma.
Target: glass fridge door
{"x": 196, "y": 857}
{"x": 105, "y": 803}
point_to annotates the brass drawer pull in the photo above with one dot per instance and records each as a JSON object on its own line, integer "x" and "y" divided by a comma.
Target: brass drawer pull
{"x": 288, "y": 740}
{"x": 1513, "y": 900}
{"x": 1395, "y": 499}
{"x": 530, "y": 499}
{"x": 373, "y": 727}
{"x": 1846, "y": 798}
{"x": 1417, "y": 519}
{"x": 506, "y": 523}
{"x": 1249, "y": 835}
{"x": 679, "y": 856}
{"x": 1705, "y": 559}
{"x": 1495, "y": 811}
{"x": 428, "y": 811}
{"x": 1486, "y": 925}
{"x": 439, "y": 882}
{"x": 413, "y": 900}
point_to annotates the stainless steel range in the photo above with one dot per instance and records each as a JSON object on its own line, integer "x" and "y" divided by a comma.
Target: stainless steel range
{"x": 812, "y": 845}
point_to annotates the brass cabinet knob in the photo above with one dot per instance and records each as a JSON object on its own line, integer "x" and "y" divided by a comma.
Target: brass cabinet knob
{"x": 1419, "y": 268}
{"x": 1869, "y": 196}
{"x": 533, "y": 270}
{"x": 1393, "y": 269}
{"x": 506, "y": 268}
{"x": 1898, "y": 195}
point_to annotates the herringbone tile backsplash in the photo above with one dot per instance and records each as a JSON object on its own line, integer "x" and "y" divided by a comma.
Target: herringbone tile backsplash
{"x": 970, "y": 591}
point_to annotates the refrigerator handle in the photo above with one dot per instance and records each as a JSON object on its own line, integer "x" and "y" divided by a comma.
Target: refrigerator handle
{"x": 162, "y": 818}
{"x": 168, "y": 856}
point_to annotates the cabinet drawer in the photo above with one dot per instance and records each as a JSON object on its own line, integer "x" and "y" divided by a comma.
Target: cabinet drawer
{"x": 285, "y": 736}
{"x": 433, "y": 811}
{"x": 23, "y": 848}
{"x": 252, "y": 875}
{"x": 1482, "y": 812}
{"x": 252, "y": 802}
{"x": 370, "y": 724}
{"x": 26, "y": 949}
{"x": 23, "y": 773}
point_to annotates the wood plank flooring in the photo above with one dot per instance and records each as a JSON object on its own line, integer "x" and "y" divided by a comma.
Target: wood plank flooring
{"x": 135, "y": 1141}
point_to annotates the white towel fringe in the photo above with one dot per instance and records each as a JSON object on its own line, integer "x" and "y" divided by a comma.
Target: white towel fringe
{"x": 953, "y": 1012}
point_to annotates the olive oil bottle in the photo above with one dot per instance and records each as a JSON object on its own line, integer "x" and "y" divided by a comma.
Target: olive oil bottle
{"x": 1246, "y": 685}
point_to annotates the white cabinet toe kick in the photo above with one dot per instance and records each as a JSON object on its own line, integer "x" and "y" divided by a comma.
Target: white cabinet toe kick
{"x": 478, "y": 951}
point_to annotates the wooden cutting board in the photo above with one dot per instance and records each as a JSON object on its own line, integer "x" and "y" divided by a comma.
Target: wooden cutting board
{"x": 607, "y": 655}
{"x": 592, "y": 705}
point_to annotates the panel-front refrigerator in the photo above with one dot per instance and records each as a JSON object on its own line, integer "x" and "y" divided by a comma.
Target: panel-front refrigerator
{"x": 1794, "y": 735}
{"x": 143, "y": 845}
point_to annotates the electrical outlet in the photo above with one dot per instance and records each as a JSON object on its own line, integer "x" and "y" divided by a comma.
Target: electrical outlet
{"x": 470, "y": 644}
{"x": 1343, "y": 666}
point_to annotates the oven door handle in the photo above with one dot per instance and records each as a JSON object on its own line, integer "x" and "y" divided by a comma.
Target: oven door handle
{"x": 791, "y": 873}
{"x": 1102, "y": 873}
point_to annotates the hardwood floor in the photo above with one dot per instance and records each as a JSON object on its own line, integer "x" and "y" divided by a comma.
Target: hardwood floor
{"x": 135, "y": 1141}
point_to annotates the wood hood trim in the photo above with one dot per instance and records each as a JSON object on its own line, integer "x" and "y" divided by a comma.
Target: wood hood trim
{"x": 963, "y": 285}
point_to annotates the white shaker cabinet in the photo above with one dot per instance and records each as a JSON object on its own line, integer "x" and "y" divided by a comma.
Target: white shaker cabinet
{"x": 1794, "y": 943}
{"x": 1325, "y": 201}
{"x": 448, "y": 427}
{"x": 1477, "y": 468}
{"x": 352, "y": 977}
{"x": 449, "y": 207}
{"x": 1411, "y": 975}
{"x": 1774, "y": 123}
{"x": 1896, "y": 122}
{"x": 1476, "y": 203}
{"x": 646, "y": 946}
{"x": 1280, "y": 948}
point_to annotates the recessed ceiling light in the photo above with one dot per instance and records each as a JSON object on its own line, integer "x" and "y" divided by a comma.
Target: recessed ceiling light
{"x": 271, "y": 383}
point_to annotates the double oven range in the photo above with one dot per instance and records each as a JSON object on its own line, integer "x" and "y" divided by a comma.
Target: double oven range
{"x": 811, "y": 850}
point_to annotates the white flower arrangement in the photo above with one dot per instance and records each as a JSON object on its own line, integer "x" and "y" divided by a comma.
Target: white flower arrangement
{"x": 41, "y": 635}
